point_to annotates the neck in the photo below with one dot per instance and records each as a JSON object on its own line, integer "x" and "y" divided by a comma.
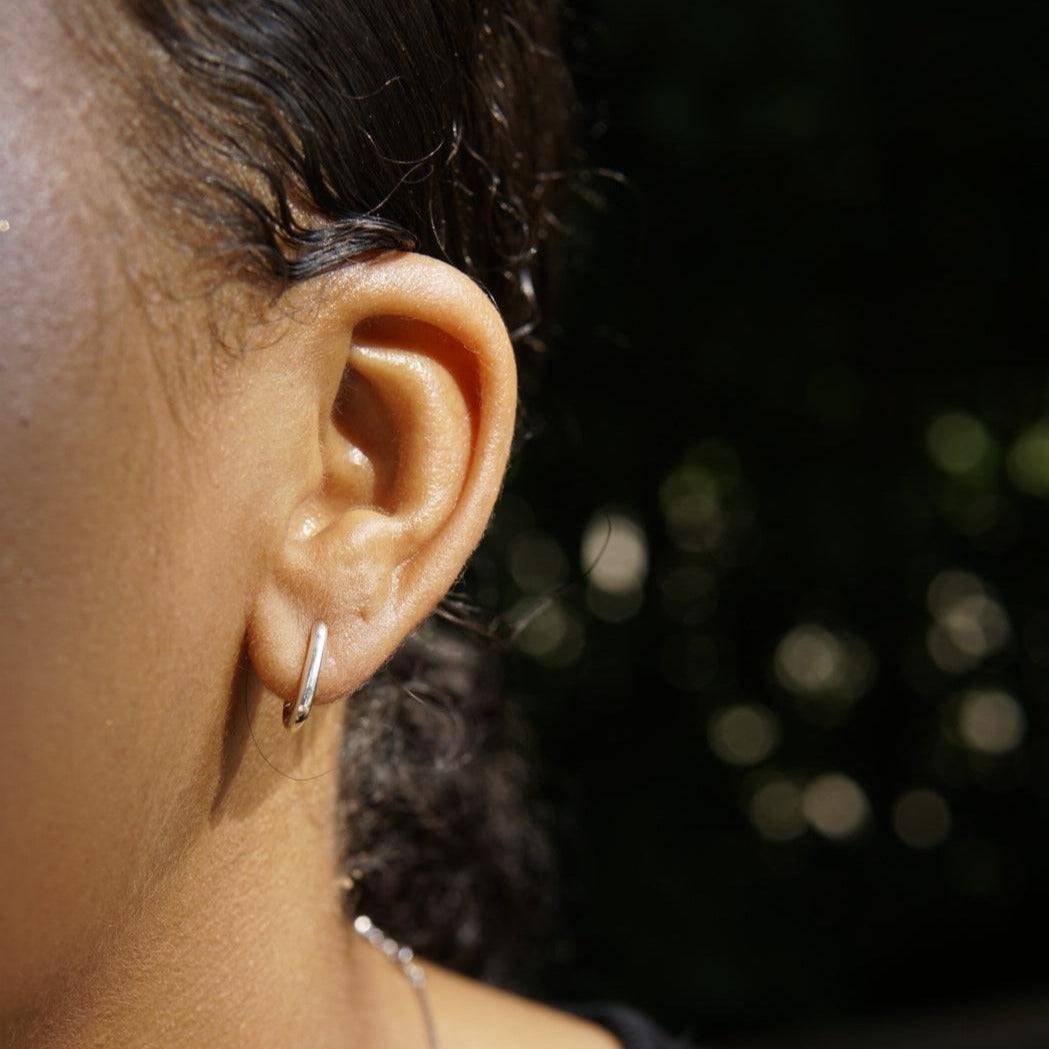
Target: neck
{"x": 242, "y": 942}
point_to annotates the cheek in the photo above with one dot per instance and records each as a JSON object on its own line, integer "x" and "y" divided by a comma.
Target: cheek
{"x": 115, "y": 652}
{"x": 118, "y": 577}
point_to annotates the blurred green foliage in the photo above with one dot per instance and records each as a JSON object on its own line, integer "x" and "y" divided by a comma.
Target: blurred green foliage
{"x": 794, "y": 426}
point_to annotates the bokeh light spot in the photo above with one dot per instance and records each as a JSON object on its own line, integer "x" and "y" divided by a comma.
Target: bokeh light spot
{"x": 991, "y": 721}
{"x": 692, "y": 508}
{"x": 775, "y": 810}
{"x": 553, "y": 636}
{"x": 958, "y": 443}
{"x": 823, "y": 667}
{"x": 615, "y": 553}
{"x": 835, "y": 805}
{"x": 969, "y": 624}
{"x": 744, "y": 733}
{"x": 536, "y": 561}
{"x": 921, "y": 819}
{"x": 1028, "y": 461}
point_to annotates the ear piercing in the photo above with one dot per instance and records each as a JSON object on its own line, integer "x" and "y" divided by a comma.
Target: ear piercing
{"x": 296, "y": 713}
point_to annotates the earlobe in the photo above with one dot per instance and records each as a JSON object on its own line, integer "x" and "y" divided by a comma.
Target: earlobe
{"x": 416, "y": 393}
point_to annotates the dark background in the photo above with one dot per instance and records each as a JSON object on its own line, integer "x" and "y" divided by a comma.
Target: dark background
{"x": 793, "y": 727}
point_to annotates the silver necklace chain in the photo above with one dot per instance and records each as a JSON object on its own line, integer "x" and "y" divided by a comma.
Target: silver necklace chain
{"x": 404, "y": 958}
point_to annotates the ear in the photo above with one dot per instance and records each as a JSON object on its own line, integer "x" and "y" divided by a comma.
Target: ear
{"x": 409, "y": 390}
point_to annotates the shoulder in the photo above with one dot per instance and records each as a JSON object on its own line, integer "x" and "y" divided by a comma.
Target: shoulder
{"x": 472, "y": 1015}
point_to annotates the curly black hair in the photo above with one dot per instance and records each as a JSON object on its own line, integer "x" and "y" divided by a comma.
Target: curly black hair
{"x": 294, "y": 136}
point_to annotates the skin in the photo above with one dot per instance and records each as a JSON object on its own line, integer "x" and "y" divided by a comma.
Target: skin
{"x": 177, "y": 514}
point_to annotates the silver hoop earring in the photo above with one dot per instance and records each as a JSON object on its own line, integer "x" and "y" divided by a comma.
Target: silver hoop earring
{"x": 296, "y": 713}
